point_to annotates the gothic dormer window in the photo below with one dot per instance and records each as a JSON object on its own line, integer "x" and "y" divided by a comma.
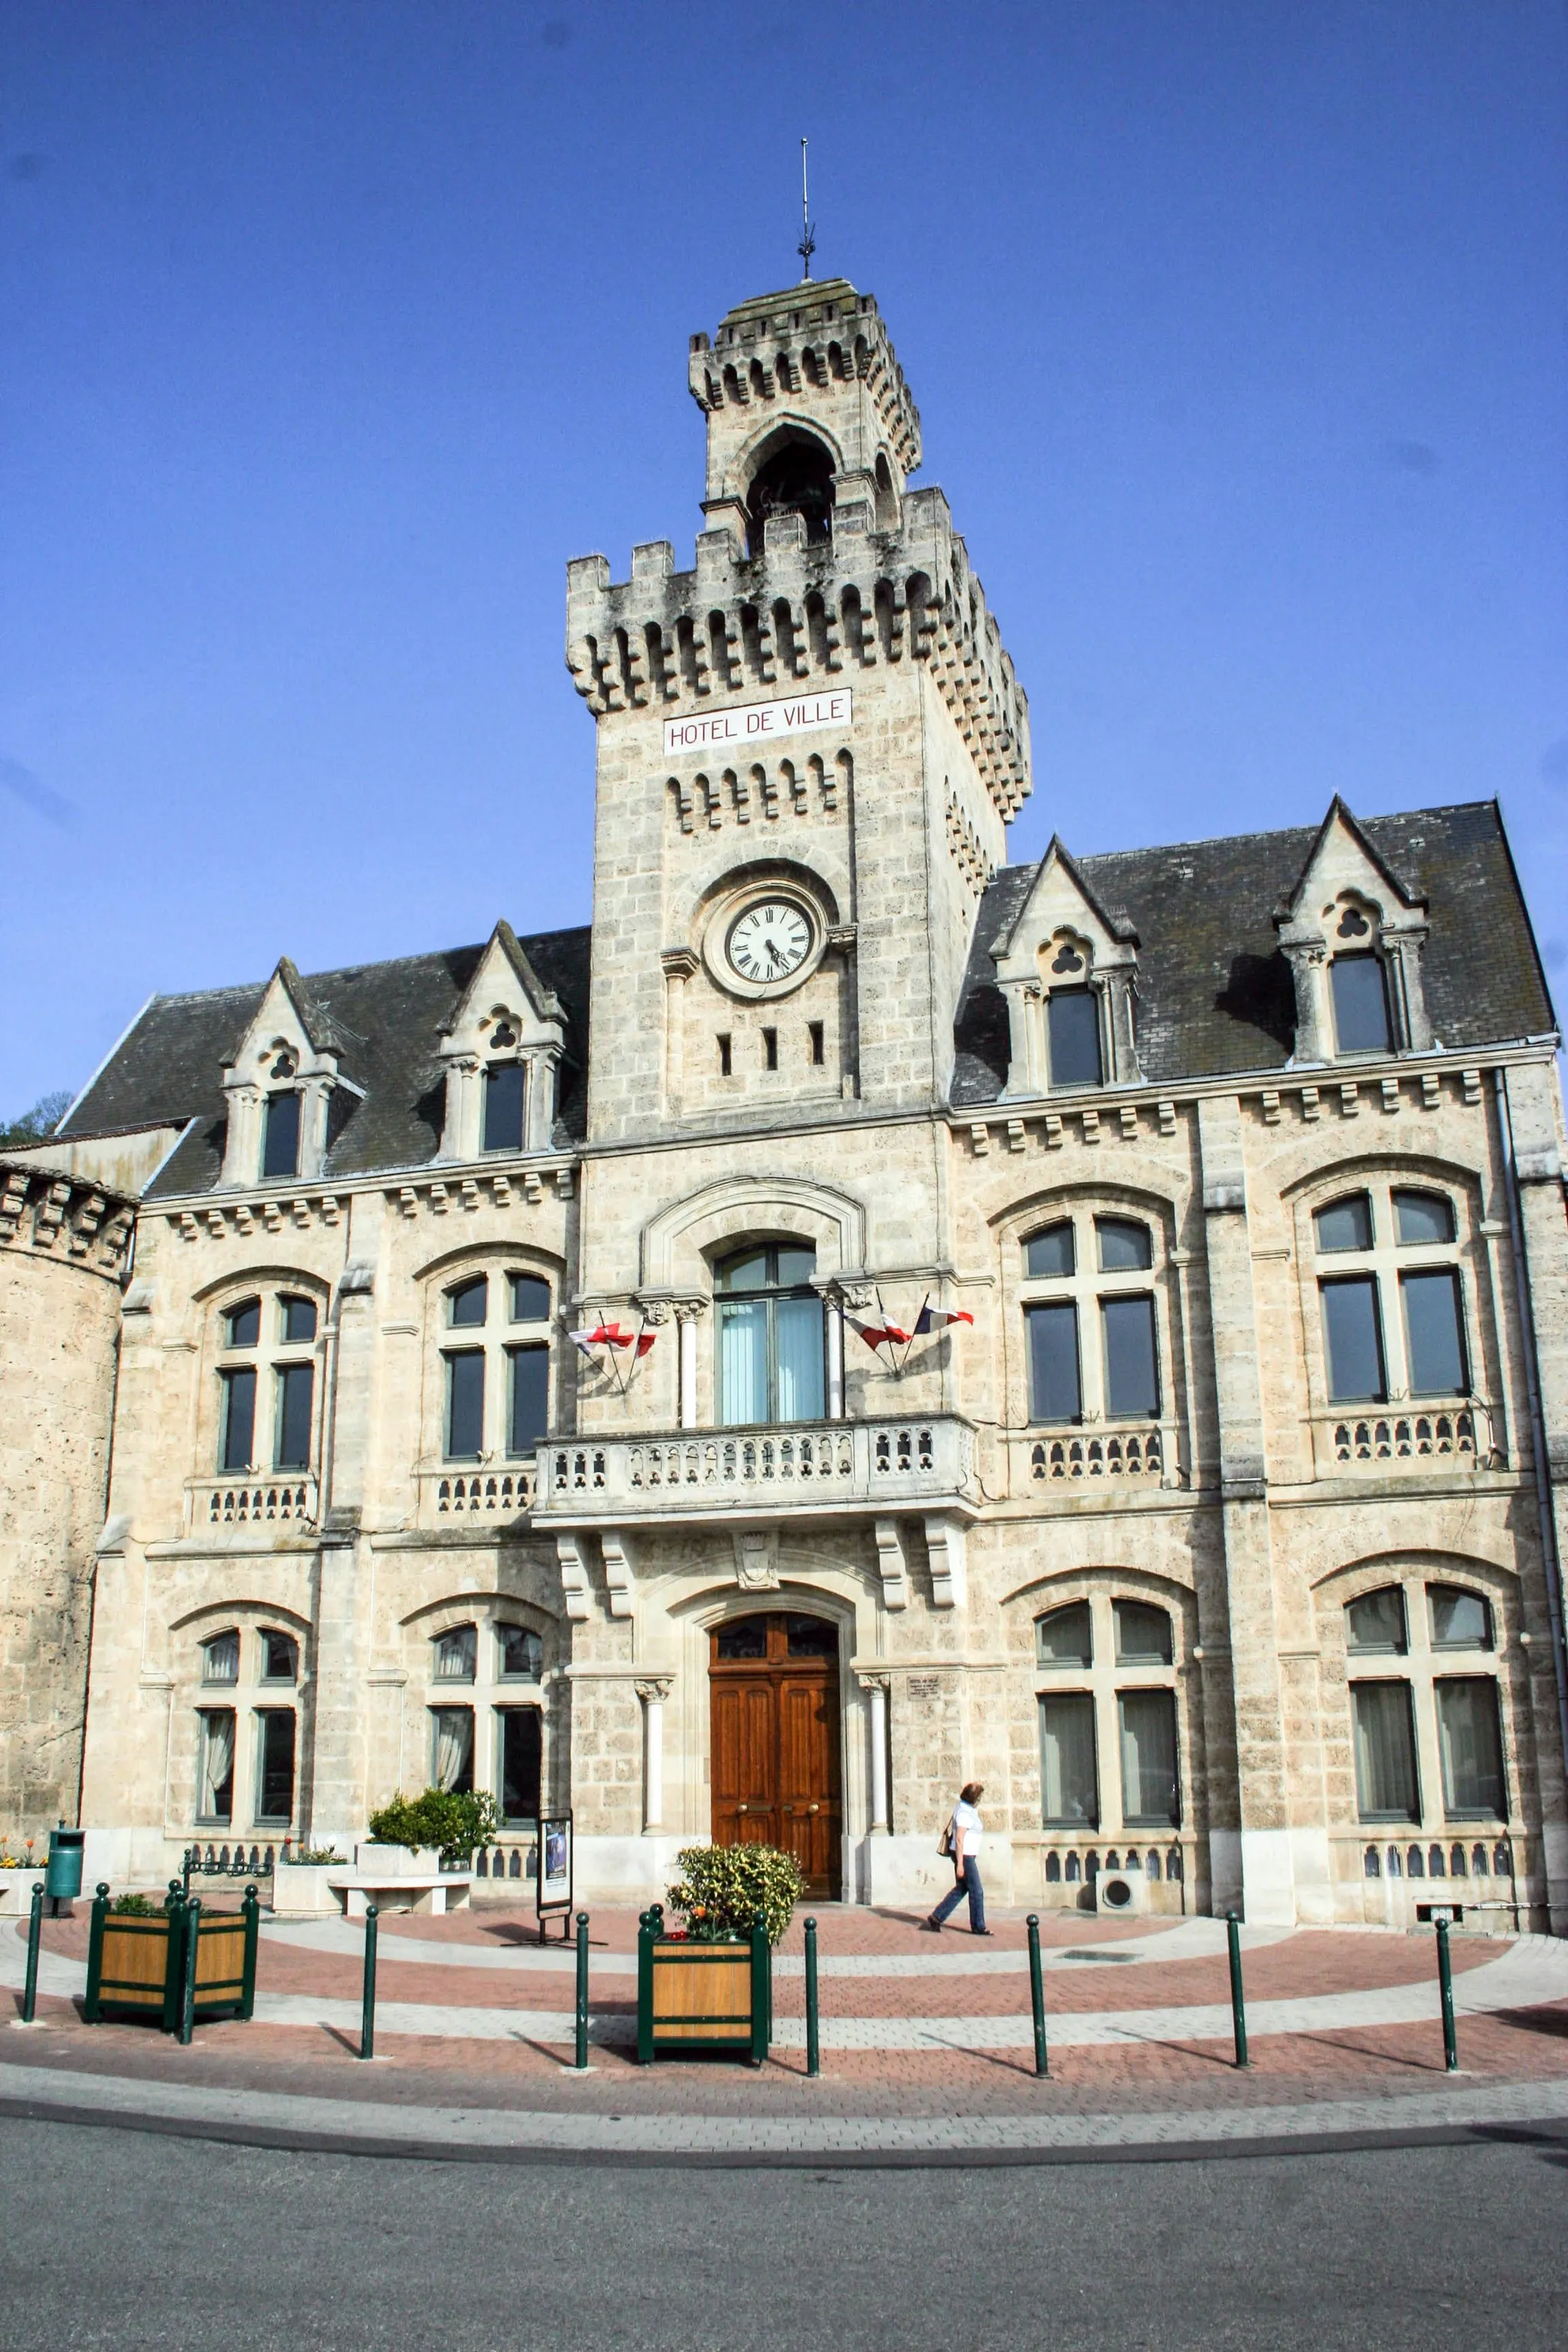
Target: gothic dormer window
{"x": 280, "y": 1133}
{"x": 501, "y": 1053}
{"x": 1072, "y": 1017}
{"x": 281, "y": 1085}
{"x": 1355, "y": 936}
{"x": 504, "y": 1105}
{"x": 1067, "y": 968}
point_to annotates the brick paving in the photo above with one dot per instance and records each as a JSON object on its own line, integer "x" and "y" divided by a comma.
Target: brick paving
{"x": 1093, "y": 1968}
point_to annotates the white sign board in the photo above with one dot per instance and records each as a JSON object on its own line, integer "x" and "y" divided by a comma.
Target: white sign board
{"x": 756, "y": 722}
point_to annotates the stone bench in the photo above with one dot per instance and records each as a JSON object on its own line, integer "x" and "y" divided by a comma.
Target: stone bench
{"x": 435, "y": 1892}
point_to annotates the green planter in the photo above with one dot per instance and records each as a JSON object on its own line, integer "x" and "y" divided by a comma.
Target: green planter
{"x": 137, "y": 1967}
{"x": 702, "y": 1999}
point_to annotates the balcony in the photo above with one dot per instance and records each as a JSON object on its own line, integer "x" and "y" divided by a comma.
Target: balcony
{"x": 820, "y": 1469}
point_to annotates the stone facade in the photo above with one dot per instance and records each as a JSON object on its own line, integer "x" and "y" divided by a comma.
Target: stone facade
{"x": 1117, "y": 1533}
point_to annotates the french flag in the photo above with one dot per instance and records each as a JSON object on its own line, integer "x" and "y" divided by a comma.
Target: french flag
{"x": 877, "y": 1335}
{"x": 937, "y": 1318}
{"x": 610, "y": 1335}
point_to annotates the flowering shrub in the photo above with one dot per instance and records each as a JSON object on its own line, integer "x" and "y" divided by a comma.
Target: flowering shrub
{"x": 726, "y": 1888}
{"x": 459, "y": 1825}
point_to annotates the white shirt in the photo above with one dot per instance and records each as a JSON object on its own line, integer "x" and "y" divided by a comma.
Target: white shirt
{"x": 966, "y": 1829}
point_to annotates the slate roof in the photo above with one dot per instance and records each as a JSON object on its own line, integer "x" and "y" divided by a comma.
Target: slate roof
{"x": 386, "y": 1022}
{"x": 1214, "y": 994}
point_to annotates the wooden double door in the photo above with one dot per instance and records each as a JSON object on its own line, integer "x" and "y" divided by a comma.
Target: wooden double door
{"x": 775, "y": 1759}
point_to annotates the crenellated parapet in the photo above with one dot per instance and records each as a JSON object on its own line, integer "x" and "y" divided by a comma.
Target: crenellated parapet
{"x": 864, "y": 600}
{"x": 63, "y": 1217}
{"x": 817, "y": 342}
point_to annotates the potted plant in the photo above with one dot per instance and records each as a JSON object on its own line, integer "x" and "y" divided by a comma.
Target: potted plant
{"x": 301, "y": 1880}
{"x": 440, "y": 1823}
{"x": 708, "y": 1985}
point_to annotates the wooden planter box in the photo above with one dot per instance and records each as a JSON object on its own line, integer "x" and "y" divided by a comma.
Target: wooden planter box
{"x": 703, "y": 1998}
{"x": 136, "y": 1967}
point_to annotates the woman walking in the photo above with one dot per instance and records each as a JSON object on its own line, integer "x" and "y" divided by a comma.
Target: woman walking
{"x": 965, "y": 1832}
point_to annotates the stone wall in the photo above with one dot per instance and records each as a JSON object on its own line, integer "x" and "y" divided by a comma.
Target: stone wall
{"x": 61, "y": 1248}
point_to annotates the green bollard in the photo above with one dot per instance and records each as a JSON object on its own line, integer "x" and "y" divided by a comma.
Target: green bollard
{"x": 188, "y": 1974}
{"x": 582, "y": 2049}
{"x": 1446, "y": 1989}
{"x": 812, "y": 2044}
{"x": 1037, "y": 1996}
{"x": 35, "y": 1936}
{"x": 1237, "y": 2008}
{"x": 367, "y": 2014}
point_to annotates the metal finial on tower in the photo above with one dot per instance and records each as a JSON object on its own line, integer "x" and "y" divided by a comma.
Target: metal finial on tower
{"x": 807, "y": 245}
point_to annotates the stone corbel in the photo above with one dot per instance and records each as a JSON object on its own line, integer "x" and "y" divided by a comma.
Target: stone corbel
{"x": 575, "y": 1578}
{"x": 892, "y": 1565}
{"x": 619, "y": 1570}
{"x": 949, "y": 1565}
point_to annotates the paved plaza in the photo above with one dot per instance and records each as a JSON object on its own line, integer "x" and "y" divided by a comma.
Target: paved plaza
{"x": 927, "y": 2044}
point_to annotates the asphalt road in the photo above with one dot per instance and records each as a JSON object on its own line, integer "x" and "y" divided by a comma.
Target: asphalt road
{"x": 124, "y": 2240}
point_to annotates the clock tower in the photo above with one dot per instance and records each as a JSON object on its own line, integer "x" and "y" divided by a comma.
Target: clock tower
{"x": 809, "y": 747}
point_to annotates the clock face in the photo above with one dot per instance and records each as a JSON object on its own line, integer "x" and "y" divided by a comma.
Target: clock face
{"x": 770, "y": 942}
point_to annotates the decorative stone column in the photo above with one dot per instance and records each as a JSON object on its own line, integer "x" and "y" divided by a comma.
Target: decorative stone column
{"x": 688, "y": 1313}
{"x": 653, "y": 1694}
{"x": 876, "y": 1689}
{"x": 834, "y": 1358}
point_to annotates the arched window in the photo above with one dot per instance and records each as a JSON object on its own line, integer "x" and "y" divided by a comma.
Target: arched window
{"x": 1369, "y": 1352}
{"x": 771, "y": 1336}
{"x": 1422, "y": 1712}
{"x": 1110, "y": 1747}
{"x": 266, "y": 1381}
{"x": 1093, "y": 1334}
{"x": 483, "y": 1705}
{"x": 247, "y": 1748}
{"x": 495, "y": 1360}
{"x": 1358, "y": 985}
{"x": 797, "y": 479}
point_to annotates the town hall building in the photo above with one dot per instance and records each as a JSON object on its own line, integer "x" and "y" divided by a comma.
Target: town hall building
{"x": 860, "y": 1317}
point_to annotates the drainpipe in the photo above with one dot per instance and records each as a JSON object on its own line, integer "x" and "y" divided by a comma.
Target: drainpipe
{"x": 1537, "y": 1417}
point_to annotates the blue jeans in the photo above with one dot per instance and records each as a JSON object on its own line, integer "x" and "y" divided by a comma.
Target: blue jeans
{"x": 968, "y": 1884}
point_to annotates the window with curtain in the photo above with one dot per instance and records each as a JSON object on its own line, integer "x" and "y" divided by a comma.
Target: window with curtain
{"x": 1386, "y": 1786}
{"x": 1069, "y": 1777}
{"x": 1065, "y": 1638}
{"x": 220, "y": 1658}
{"x": 1376, "y": 1622}
{"x": 520, "y": 1653}
{"x": 770, "y": 1337}
{"x": 1142, "y": 1634}
{"x": 457, "y": 1654}
{"x": 1151, "y": 1789}
{"x": 1469, "y": 1741}
{"x": 1460, "y": 1620}
{"x": 215, "y": 1797}
{"x": 452, "y": 1749}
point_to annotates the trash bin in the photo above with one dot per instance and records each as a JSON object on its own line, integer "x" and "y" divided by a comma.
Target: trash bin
{"x": 62, "y": 1876}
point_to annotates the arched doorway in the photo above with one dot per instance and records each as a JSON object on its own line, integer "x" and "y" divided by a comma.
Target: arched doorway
{"x": 773, "y": 1679}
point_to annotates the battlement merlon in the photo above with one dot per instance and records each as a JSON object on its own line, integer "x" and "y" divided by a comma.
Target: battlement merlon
{"x": 676, "y": 640}
{"x": 817, "y": 356}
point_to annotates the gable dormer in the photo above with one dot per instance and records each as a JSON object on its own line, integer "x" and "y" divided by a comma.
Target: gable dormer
{"x": 1068, "y": 968}
{"x": 1355, "y": 936}
{"x": 279, "y": 1088}
{"x": 501, "y": 1052}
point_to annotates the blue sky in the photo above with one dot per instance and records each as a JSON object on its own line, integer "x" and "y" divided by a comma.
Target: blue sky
{"x": 328, "y": 332}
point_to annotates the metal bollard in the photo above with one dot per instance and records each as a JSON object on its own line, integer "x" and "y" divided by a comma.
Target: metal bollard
{"x": 813, "y": 2045}
{"x": 582, "y": 2049}
{"x": 1237, "y": 2006}
{"x": 188, "y": 1976}
{"x": 367, "y": 2014}
{"x": 1037, "y": 1996}
{"x": 35, "y": 1936}
{"x": 1446, "y": 1989}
